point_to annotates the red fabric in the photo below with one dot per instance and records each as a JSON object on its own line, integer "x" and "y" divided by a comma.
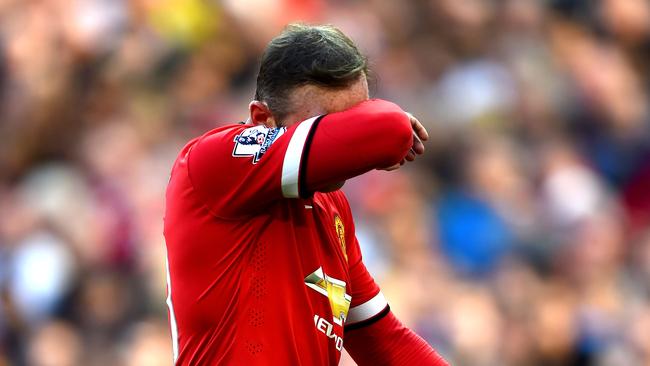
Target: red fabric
{"x": 374, "y": 134}
{"x": 387, "y": 342}
{"x": 239, "y": 253}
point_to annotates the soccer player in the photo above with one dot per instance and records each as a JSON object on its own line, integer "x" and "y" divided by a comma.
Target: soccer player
{"x": 263, "y": 266}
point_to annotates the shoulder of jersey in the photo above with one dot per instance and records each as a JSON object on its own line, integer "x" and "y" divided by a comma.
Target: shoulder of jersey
{"x": 227, "y": 130}
{"x": 340, "y": 197}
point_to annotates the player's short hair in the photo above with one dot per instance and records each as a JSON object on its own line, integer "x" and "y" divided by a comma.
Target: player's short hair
{"x": 305, "y": 54}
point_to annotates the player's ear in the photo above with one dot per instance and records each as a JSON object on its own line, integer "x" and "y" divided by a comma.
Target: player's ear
{"x": 260, "y": 114}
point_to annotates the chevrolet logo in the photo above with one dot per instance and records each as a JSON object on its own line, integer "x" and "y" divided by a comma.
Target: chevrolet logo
{"x": 334, "y": 290}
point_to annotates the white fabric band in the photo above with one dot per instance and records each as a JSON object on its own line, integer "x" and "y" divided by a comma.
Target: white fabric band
{"x": 172, "y": 316}
{"x": 293, "y": 157}
{"x": 367, "y": 310}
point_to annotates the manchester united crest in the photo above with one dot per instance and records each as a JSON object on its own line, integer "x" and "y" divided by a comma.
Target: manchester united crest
{"x": 340, "y": 232}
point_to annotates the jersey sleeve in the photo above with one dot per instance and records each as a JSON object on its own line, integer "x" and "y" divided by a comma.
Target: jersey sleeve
{"x": 239, "y": 171}
{"x": 373, "y": 134}
{"x": 368, "y": 303}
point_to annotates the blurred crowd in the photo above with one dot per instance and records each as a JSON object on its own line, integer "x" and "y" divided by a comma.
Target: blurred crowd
{"x": 522, "y": 237}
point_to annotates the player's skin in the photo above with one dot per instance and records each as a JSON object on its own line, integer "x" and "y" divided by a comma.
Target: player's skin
{"x": 313, "y": 100}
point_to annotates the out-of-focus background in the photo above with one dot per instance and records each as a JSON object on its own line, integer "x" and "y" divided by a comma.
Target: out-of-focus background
{"x": 522, "y": 237}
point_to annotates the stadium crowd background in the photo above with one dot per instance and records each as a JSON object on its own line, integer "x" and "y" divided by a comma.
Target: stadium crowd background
{"x": 522, "y": 237}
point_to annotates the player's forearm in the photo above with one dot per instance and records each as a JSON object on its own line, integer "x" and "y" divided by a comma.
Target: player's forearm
{"x": 374, "y": 134}
{"x": 389, "y": 343}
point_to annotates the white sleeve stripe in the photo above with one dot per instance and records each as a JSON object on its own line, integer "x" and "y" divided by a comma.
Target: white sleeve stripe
{"x": 367, "y": 310}
{"x": 172, "y": 316}
{"x": 292, "y": 158}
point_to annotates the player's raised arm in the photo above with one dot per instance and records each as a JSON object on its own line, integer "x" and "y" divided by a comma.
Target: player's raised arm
{"x": 375, "y": 134}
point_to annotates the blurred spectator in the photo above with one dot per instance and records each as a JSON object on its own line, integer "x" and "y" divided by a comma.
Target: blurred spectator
{"x": 55, "y": 344}
{"x": 148, "y": 345}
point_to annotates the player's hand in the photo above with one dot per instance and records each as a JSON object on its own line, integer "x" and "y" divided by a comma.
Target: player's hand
{"x": 420, "y": 134}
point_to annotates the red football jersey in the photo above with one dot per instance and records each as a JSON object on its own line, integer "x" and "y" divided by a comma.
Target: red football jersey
{"x": 262, "y": 269}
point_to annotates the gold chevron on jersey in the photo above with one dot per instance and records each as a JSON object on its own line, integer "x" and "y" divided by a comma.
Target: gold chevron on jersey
{"x": 334, "y": 290}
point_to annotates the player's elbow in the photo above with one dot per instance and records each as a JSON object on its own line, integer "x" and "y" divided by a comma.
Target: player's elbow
{"x": 397, "y": 139}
